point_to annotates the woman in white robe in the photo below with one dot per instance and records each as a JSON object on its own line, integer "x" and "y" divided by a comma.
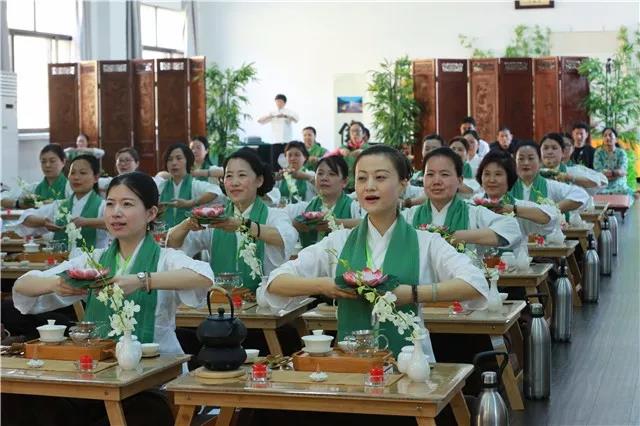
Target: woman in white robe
{"x": 440, "y": 273}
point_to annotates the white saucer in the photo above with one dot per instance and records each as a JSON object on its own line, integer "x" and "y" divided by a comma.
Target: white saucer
{"x": 62, "y": 339}
{"x": 151, "y": 355}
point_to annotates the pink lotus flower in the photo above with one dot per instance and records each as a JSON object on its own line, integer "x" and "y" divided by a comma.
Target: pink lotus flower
{"x": 334, "y": 153}
{"x": 208, "y": 212}
{"x": 353, "y": 145}
{"x": 87, "y": 274}
{"x": 367, "y": 277}
{"x": 313, "y": 215}
{"x": 490, "y": 203}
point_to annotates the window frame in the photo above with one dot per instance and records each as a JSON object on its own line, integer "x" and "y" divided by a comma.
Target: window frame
{"x": 51, "y": 37}
{"x": 157, "y": 48}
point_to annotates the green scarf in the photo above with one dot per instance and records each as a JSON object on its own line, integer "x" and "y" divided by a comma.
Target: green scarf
{"x": 89, "y": 211}
{"x": 146, "y": 260}
{"x": 316, "y": 151}
{"x": 172, "y": 215}
{"x": 224, "y": 247}
{"x": 56, "y": 191}
{"x": 301, "y": 184}
{"x": 206, "y": 165}
{"x": 457, "y": 217}
{"x": 467, "y": 171}
{"x": 538, "y": 189}
{"x": 562, "y": 168}
{"x": 401, "y": 260}
{"x": 342, "y": 210}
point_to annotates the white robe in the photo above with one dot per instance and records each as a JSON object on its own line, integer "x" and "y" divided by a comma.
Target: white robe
{"x": 16, "y": 192}
{"x": 198, "y": 189}
{"x": 438, "y": 262}
{"x": 168, "y": 300}
{"x": 295, "y": 210}
{"x": 559, "y": 191}
{"x": 307, "y": 196}
{"x": 49, "y": 211}
{"x": 479, "y": 218}
{"x": 196, "y": 241}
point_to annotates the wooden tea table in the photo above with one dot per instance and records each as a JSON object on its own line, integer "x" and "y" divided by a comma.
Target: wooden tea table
{"x": 617, "y": 202}
{"x": 254, "y": 317}
{"x": 580, "y": 234}
{"x": 404, "y": 398}
{"x": 111, "y": 385}
{"x": 11, "y": 214}
{"x": 535, "y": 276}
{"x": 14, "y": 270}
{"x": 438, "y": 320}
{"x": 595, "y": 216}
{"x": 568, "y": 250}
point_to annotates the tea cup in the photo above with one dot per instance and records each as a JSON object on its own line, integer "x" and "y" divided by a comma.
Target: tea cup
{"x": 317, "y": 344}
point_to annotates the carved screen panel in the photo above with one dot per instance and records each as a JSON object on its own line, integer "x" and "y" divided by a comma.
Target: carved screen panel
{"x": 89, "y": 109}
{"x": 483, "y": 77}
{"x": 63, "y": 104}
{"x": 115, "y": 110}
{"x": 452, "y": 96}
{"x": 172, "y": 102}
{"x": 144, "y": 114}
{"x": 197, "y": 97}
{"x": 424, "y": 89}
{"x": 547, "y": 96}
{"x": 574, "y": 89}
{"x": 516, "y": 96}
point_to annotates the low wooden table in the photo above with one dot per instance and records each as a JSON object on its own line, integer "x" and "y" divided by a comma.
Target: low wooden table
{"x": 557, "y": 251}
{"x": 255, "y": 317}
{"x": 580, "y": 234}
{"x": 536, "y": 276}
{"x": 13, "y": 270}
{"x": 495, "y": 325}
{"x": 617, "y": 202}
{"x": 111, "y": 385}
{"x": 11, "y": 214}
{"x": 595, "y": 216}
{"x": 404, "y": 398}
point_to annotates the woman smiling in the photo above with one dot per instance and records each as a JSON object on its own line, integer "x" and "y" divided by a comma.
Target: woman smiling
{"x": 85, "y": 207}
{"x": 246, "y": 180}
{"x": 181, "y": 192}
{"x": 471, "y": 224}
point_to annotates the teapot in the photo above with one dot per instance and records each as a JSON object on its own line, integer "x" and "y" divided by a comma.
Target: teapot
{"x": 221, "y": 336}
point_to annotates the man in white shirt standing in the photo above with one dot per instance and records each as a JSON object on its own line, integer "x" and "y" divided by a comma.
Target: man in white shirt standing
{"x": 281, "y": 120}
{"x": 469, "y": 123}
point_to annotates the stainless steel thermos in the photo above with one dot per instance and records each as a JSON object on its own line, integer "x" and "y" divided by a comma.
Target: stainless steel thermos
{"x": 605, "y": 248}
{"x": 591, "y": 272}
{"x": 613, "y": 226}
{"x": 491, "y": 408}
{"x": 537, "y": 356}
{"x": 563, "y": 305}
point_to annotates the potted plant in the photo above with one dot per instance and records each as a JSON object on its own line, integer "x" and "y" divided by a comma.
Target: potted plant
{"x": 614, "y": 92}
{"x": 225, "y": 100}
{"x": 394, "y": 108}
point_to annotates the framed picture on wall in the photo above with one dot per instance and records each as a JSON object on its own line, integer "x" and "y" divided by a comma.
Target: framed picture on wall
{"x": 349, "y": 104}
{"x": 533, "y": 4}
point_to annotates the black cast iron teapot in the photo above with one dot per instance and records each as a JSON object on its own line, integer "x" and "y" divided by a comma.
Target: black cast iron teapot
{"x": 221, "y": 336}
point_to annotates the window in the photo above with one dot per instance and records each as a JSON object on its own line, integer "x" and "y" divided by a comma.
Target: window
{"x": 40, "y": 32}
{"x": 162, "y": 32}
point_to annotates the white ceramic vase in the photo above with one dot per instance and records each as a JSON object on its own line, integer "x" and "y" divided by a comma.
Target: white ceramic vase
{"x": 128, "y": 351}
{"x": 418, "y": 368}
{"x": 404, "y": 357}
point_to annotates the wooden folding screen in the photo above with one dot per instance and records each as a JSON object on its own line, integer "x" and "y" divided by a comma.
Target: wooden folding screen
{"x": 516, "y": 96}
{"x": 89, "y": 113}
{"x": 63, "y": 104}
{"x": 424, "y": 89}
{"x": 452, "y": 96}
{"x": 115, "y": 110}
{"x": 197, "y": 98}
{"x": 574, "y": 88}
{"x": 144, "y": 114}
{"x": 171, "y": 86}
{"x": 547, "y": 96}
{"x": 483, "y": 77}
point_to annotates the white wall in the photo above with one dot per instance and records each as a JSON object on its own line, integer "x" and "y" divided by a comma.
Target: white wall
{"x": 300, "y": 48}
